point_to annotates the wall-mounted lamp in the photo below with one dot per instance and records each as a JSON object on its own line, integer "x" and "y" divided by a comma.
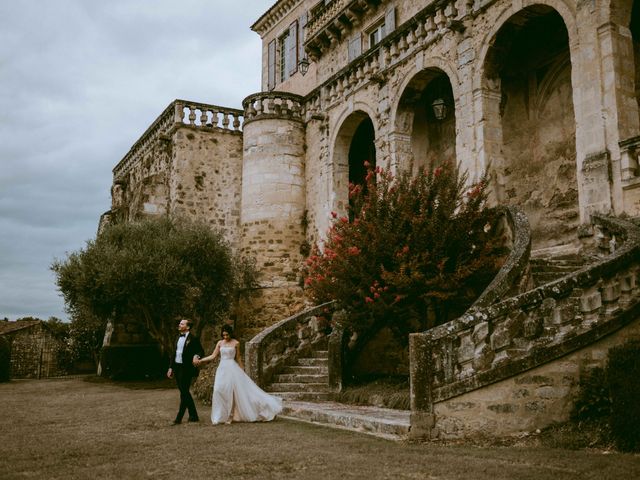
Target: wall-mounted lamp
{"x": 303, "y": 65}
{"x": 439, "y": 109}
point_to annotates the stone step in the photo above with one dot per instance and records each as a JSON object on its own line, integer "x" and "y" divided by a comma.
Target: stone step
{"x": 320, "y": 354}
{"x": 304, "y": 396}
{"x": 299, "y": 387}
{"x": 313, "y": 362}
{"x": 305, "y": 370}
{"x": 555, "y": 268}
{"x": 301, "y": 378}
{"x": 380, "y": 422}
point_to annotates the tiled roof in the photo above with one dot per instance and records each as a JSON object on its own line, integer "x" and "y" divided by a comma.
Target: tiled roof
{"x": 8, "y": 327}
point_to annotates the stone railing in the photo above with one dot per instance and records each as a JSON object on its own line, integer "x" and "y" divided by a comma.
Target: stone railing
{"x": 420, "y": 31}
{"x": 492, "y": 343}
{"x": 179, "y": 113}
{"x": 509, "y": 279}
{"x": 283, "y": 342}
{"x": 325, "y": 15}
{"x": 629, "y": 160}
{"x": 281, "y": 105}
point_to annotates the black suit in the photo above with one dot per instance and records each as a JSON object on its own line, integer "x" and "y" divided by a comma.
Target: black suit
{"x": 184, "y": 374}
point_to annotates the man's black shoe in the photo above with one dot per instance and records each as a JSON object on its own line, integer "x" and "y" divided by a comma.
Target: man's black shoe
{"x": 176, "y": 422}
{"x": 194, "y": 420}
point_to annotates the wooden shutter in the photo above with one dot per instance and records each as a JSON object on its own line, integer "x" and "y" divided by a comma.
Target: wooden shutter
{"x": 292, "y": 48}
{"x": 302, "y": 23}
{"x": 355, "y": 47}
{"x": 389, "y": 21}
{"x": 271, "y": 65}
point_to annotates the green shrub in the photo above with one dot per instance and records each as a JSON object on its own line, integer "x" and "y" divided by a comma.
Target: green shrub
{"x": 5, "y": 360}
{"x": 623, "y": 375}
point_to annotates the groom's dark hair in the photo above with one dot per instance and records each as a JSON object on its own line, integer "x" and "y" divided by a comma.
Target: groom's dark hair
{"x": 189, "y": 322}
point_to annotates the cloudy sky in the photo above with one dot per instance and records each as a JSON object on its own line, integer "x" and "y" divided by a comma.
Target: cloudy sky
{"x": 80, "y": 81}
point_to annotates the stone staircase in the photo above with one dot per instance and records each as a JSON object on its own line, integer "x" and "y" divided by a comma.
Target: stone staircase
{"x": 379, "y": 422}
{"x": 304, "y": 388}
{"x": 306, "y": 379}
{"x": 550, "y": 268}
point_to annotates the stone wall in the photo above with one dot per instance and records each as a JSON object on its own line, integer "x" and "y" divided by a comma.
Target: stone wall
{"x": 34, "y": 353}
{"x": 489, "y": 351}
{"x": 206, "y": 178}
{"x": 528, "y": 401}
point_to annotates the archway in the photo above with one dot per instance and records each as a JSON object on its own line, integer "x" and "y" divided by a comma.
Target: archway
{"x": 355, "y": 144}
{"x": 426, "y": 114}
{"x": 532, "y": 124}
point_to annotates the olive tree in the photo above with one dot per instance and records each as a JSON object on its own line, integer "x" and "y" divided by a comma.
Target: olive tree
{"x": 154, "y": 270}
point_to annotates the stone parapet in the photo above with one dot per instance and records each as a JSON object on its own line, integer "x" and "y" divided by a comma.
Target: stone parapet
{"x": 271, "y": 349}
{"x": 273, "y": 105}
{"x": 178, "y": 113}
{"x": 494, "y": 343}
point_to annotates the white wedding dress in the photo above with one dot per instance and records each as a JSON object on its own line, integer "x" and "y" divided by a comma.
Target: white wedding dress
{"x": 236, "y": 397}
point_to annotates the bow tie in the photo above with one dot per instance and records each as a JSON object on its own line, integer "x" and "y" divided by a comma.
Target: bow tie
{"x": 183, "y": 334}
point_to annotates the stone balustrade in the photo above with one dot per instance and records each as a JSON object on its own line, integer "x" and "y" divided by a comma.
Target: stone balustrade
{"x": 283, "y": 342}
{"x": 325, "y": 16}
{"x": 179, "y": 113}
{"x": 516, "y": 230}
{"x": 281, "y": 105}
{"x": 495, "y": 342}
{"x": 417, "y": 33}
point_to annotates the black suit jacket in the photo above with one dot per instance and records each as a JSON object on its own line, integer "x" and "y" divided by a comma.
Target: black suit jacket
{"x": 191, "y": 347}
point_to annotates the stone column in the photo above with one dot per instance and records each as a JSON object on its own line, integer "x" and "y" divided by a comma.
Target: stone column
{"x": 588, "y": 79}
{"x": 272, "y": 213}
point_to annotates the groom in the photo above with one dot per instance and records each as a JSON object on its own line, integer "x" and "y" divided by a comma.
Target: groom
{"x": 187, "y": 348}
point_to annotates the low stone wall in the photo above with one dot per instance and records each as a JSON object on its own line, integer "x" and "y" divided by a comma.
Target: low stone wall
{"x": 491, "y": 344}
{"x": 273, "y": 348}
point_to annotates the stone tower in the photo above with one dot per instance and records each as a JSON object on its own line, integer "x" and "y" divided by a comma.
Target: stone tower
{"x": 272, "y": 215}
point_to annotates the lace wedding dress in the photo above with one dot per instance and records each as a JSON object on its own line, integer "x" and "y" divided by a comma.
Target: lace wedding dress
{"x": 236, "y": 397}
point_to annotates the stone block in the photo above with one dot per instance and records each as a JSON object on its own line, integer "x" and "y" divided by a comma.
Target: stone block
{"x": 590, "y": 302}
{"x": 480, "y": 333}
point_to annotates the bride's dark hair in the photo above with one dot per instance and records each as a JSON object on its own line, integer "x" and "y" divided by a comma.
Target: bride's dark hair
{"x": 228, "y": 329}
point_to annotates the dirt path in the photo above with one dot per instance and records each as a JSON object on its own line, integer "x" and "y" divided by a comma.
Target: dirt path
{"x": 76, "y": 429}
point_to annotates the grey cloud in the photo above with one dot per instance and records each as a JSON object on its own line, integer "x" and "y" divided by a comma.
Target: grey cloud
{"x": 80, "y": 81}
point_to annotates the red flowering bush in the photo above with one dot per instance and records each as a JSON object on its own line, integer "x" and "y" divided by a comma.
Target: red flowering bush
{"x": 419, "y": 250}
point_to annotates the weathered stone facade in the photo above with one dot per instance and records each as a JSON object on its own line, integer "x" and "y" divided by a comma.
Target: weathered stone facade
{"x": 541, "y": 94}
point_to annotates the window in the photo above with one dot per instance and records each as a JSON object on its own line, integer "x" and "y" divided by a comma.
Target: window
{"x": 271, "y": 58}
{"x": 288, "y": 45}
{"x": 381, "y": 29}
{"x": 376, "y": 34}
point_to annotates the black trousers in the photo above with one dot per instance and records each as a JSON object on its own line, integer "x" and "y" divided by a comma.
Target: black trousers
{"x": 184, "y": 379}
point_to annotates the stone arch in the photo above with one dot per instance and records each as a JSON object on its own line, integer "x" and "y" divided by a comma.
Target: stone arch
{"x": 422, "y": 139}
{"x": 528, "y": 126}
{"x": 355, "y": 125}
{"x": 403, "y": 116}
{"x": 568, "y": 17}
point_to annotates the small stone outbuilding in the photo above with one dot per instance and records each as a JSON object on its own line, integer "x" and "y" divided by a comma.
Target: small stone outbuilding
{"x": 35, "y": 351}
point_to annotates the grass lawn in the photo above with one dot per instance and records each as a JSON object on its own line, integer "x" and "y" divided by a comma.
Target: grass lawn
{"x": 73, "y": 428}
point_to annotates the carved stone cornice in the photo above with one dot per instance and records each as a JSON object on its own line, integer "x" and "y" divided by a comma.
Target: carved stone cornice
{"x": 272, "y": 16}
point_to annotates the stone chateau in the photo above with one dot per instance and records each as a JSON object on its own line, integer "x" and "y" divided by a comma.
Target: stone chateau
{"x": 545, "y": 94}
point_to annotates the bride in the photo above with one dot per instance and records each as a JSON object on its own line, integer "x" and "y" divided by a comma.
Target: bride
{"x": 235, "y": 396}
